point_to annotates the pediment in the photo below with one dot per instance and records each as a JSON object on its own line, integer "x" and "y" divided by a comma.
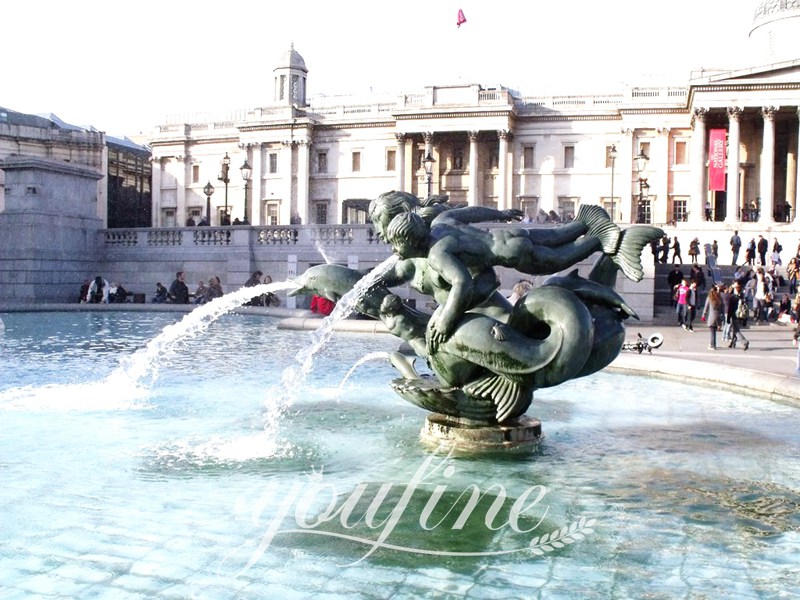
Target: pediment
{"x": 785, "y": 72}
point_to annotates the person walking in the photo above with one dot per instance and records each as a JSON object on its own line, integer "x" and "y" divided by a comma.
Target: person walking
{"x": 692, "y": 298}
{"x": 711, "y": 313}
{"x": 682, "y": 304}
{"x": 762, "y": 247}
{"x": 694, "y": 250}
{"x": 676, "y": 251}
{"x": 750, "y": 253}
{"x": 736, "y": 244}
{"x": 737, "y": 309}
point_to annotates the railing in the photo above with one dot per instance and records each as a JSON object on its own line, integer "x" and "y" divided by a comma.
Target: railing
{"x": 241, "y": 236}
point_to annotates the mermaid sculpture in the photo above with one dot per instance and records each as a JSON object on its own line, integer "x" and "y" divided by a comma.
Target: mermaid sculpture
{"x": 487, "y": 357}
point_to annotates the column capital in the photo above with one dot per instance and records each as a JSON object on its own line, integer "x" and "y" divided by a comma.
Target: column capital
{"x": 735, "y": 112}
{"x": 288, "y": 143}
{"x": 428, "y": 137}
{"x": 504, "y": 134}
{"x": 663, "y": 130}
{"x": 400, "y": 137}
{"x": 473, "y": 135}
{"x": 768, "y": 112}
{"x": 699, "y": 114}
{"x": 627, "y": 131}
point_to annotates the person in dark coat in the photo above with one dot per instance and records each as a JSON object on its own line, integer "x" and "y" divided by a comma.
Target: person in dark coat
{"x": 178, "y": 291}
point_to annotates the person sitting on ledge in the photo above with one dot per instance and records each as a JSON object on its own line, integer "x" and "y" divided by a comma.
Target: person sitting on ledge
{"x": 161, "y": 294}
{"x": 178, "y": 292}
{"x": 98, "y": 291}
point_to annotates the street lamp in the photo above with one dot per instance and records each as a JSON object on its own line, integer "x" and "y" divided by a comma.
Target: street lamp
{"x": 246, "y": 172}
{"x": 208, "y": 190}
{"x": 427, "y": 162}
{"x": 612, "y": 154}
{"x": 641, "y": 164}
{"x": 223, "y": 176}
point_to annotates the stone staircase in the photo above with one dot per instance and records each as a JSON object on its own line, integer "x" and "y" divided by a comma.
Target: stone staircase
{"x": 663, "y": 312}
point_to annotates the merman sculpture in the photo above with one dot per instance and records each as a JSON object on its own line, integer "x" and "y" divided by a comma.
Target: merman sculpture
{"x": 486, "y": 355}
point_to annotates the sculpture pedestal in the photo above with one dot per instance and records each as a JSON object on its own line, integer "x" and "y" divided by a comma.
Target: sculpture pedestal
{"x": 521, "y": 433}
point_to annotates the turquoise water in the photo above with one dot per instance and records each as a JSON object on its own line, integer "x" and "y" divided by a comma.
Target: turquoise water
{"x": 202, "y": 479}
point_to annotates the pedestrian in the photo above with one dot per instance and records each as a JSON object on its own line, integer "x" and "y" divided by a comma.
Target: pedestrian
{"x": 676, "y": 251}
{"x": 750, "y": 253}
{"x": 674, "y": 279}
{"x": 694, "y": 250}
{"x": 711, "y": 312}
{"x": 682, "y": 304}
{"x": 715, "y": 250}
{"x": 762, "y": 247}
{"x": 737, "y": 313}
{"x": 736, "y": 244}
{"x": 692, "y": 298}
{"x": 791, "y": 274}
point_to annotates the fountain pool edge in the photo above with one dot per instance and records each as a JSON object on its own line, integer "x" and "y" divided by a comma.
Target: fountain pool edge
{"x": 772, "y": 385}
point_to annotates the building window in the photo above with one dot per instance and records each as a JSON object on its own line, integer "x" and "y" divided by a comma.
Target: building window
{"x": 420, "y": 159}
{"x": 493, "y": 158}
{"x": 356, "y": 161}
{"x": 681, "y": 152}
{"x": 644, "y": 148}
{"x": 321, "y": 213}
{"x": 195, "y": 173}
{"x": 569, "y": 157}
{"x": 458, "y": 158}
{"x": 168, "y": 217}
{"x": 272, "y": 213}
{"x": 391, "y": 156}
{"x": 527, "y": 157}
{"x": 295, "y": 88}
{"x": 680, "y": 211}
{"x": 322, "y": 162}
{"x": 273, "y": 162}
{"x": 530, "y": 208}
{"x": 282, "y": 94}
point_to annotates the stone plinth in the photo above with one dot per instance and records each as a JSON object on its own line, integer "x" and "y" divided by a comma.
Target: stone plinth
{"x": 521, "y": 433}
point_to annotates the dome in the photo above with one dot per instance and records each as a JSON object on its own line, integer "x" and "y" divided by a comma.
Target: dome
{"x": 776, "y": 27}
{"x": 768, "y": 11}
{"x": 291, "y": 59}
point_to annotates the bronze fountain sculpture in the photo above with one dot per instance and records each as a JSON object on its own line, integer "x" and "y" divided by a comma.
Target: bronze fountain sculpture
{"x": 488, "y": 356}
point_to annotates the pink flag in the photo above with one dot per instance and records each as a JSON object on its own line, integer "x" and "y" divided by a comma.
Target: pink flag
{"x": 461, "y": 18}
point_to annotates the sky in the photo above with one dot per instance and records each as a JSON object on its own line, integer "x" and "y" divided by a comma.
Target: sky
{"x": 123, "y": 68}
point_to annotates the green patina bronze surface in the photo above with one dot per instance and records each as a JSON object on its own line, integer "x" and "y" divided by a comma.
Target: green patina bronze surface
{"x": 486, "y": 355}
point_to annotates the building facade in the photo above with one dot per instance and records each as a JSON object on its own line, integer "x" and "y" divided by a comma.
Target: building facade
{"x": 320, "y": 160}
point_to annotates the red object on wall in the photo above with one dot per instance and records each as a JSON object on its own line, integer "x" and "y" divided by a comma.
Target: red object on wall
{"x": 461, "y": 18}
{"x": 716, "y": 160}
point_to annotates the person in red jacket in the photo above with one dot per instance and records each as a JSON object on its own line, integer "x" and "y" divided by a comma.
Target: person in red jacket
{"x": 321, "y": 305}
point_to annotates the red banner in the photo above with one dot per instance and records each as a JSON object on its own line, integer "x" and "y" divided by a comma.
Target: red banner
{"x": 716, "y": 160}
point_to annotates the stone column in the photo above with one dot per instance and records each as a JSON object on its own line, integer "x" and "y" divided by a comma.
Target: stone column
{"x": 626, "y": 207}
{"x": 303, "y": 162}
{"x": 256, "y": 179}
{"x": 400, "y": 165}
{"x": 286, "y": 168}
{"x": 502, "y": 168}
{"x": 473, "y": 192}
{"x": 697, "y": 202}
{"x": 733, "y": 192}
{"x": 767, "y": 167}
{"x": 796, "y": 196}
{"x": 155, "y": 191}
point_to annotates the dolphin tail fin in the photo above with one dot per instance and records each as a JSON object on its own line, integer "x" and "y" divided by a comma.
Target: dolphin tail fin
{"x": 600, "y": 226}
{"x": 628, "y": 258}
{"x": 507, "y": 395}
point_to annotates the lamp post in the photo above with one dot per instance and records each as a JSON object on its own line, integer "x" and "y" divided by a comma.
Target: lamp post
{"x": 246, "y": 172}
{"x": 612, "y": 154}
{"x": 208, "y": 190}
{"x": 223, "y": 176}
{"x": 641, "y": 164}
{"x": 427, "y": 162}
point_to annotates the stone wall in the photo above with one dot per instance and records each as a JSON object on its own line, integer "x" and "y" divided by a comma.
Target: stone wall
{"x": 49, "y": 229}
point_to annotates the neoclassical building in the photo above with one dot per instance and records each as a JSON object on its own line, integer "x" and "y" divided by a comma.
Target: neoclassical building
{"x": 723, "y": 147}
